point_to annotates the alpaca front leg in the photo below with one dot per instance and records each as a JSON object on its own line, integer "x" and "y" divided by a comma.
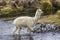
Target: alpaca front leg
{"x": 15, "y": 30}
{"x": 30, "y": 28}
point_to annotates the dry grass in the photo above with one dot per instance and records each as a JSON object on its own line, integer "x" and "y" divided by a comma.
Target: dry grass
{"x": 48, "y": 1}
{"x": 51, "y": 19}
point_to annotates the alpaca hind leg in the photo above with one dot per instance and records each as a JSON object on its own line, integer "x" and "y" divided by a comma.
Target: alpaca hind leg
{"x": 19, "y": 29}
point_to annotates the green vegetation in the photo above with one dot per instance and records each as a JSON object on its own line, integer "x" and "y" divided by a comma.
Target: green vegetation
{"x": 23, "y": 9}
{"x": 48, "y": 9}
{"x": 9, "y": 12}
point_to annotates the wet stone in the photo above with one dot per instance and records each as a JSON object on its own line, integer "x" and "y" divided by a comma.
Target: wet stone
{"x": 44, "y": 27}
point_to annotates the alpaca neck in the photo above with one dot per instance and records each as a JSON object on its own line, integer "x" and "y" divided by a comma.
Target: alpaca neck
{"x": 36, "y": 17}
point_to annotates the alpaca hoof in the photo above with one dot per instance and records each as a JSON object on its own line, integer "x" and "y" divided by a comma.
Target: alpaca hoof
{"x": 34, "y": 31}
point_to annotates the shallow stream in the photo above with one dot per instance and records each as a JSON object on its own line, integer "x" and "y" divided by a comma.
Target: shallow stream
{"x": 6, "y": 28}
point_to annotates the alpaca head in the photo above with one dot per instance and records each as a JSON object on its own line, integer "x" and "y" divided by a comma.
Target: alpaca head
{"x": 38, "y": 12}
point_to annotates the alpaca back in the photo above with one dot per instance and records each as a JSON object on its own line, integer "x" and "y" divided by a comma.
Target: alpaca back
{"x": 24, "y": 21}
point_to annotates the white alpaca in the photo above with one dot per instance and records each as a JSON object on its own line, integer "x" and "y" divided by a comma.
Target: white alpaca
{"x": 26, "y": 21}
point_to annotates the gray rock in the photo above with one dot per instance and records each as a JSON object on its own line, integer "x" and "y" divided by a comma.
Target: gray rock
{"x": 44, "y": 27}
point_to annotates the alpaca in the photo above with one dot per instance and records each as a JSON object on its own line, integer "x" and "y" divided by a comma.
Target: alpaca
{"x": 26, "y": 21}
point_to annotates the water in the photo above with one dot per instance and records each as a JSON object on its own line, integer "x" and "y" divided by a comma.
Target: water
{"x": 6, "y": 28}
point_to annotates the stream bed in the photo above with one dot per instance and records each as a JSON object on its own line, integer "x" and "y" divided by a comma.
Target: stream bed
{"x": 6, "y": 29}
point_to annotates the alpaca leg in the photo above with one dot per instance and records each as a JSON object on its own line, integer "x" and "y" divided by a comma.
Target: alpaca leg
{"x": 19, "y": 29}
{"x": 15, "y": 30}
{"x": 30, "y": 28}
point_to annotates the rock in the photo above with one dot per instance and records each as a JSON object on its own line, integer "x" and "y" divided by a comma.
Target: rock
{"x": 48, "y": 27}
{"x": 44, "y": 27}
{"x": 37, "y": 28}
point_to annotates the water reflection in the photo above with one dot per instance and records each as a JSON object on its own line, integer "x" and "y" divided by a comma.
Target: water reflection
{"x": 15, "y": 37}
